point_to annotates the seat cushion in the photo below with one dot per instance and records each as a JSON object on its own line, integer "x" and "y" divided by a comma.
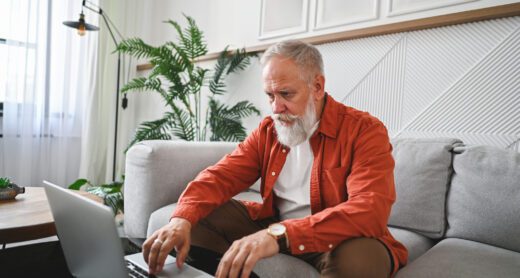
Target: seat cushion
{"x": 463, "y": 258}
{"x": 484, "y": 199}
{"x": 422, "y": 176}
{"x": 161, "y": 216}
{"x": 416, "y": 244}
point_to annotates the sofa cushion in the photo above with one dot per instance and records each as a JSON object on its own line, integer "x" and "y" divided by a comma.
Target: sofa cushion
{"x": 416, "y": 244}
{"x": 161, "y": 216}
{"x": 422, "y": 176}
{"x": 484, "y": 199}
{"x": 463, "y": 258}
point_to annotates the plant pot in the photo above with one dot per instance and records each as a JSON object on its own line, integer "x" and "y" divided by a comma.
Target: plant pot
{"x": 11, "y": 191}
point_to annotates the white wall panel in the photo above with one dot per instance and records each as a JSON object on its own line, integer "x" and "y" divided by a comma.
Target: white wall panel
{"x": 333, "y": 13}
{"x": 347, "y": 64}
{"x": 280, "y": 18}
{"x": 398, "y": 7}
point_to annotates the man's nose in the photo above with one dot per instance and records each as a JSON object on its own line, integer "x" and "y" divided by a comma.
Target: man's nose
{"x": 278, "y": 105}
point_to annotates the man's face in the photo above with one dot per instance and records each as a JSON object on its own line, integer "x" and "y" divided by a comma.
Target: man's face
{"x": 292, "y": 100}
{"x": 287, "y": 92}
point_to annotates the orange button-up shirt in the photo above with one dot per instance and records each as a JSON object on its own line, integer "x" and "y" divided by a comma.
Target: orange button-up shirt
{"x": 351, "y": 188}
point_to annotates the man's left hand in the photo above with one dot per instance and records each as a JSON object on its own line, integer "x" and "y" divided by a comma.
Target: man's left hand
{"x": 244, "y": 253}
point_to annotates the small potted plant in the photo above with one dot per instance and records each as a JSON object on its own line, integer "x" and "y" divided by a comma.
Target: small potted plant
{"x": 9, "y": 190}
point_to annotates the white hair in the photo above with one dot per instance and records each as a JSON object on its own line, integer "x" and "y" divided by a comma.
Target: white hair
{"x": 307, "y": 57}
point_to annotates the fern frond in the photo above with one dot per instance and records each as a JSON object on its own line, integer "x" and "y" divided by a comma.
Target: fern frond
{"x": 137, "y": 48}
{"x": 143, "y": 84}
{"x": 196, "y": 44}
{"x": 152, "y": 130}
{"x": 217, "y": 85}
{"x": 182, "y": 124}
{"x": 225, "y": 123}
{"x": 239, "y": 60}
{"x": 243, "y": 109}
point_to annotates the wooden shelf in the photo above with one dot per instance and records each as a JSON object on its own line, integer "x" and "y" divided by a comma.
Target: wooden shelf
{"x": 405, "y": 26}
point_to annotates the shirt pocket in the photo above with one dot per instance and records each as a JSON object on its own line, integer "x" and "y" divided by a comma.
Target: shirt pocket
{"x": 334, "y": 188}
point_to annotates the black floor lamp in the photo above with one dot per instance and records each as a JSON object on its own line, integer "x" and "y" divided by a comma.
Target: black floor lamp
{"x": 82, "y": 27}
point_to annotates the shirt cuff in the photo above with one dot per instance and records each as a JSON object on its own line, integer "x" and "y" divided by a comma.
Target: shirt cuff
{"x": 300, "y": 235}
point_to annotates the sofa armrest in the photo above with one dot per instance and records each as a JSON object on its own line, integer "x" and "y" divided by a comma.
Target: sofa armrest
{"x": 157, "y": 172}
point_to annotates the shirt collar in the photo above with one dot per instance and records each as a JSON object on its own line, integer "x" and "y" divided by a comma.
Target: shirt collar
{"x": 329, "y": 117}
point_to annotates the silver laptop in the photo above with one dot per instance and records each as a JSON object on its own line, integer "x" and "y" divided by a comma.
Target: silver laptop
{"x": 91, "y": 244}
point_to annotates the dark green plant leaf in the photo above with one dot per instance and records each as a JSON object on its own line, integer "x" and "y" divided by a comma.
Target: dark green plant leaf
{"x": 137, "y": 48}
{"x": 115, "y": 201}
{"x": 183, "y": 126}
{"x": 142, "y": 84}
{"x": 226, "y": 123}
{"x": 4, "y": 182}
{"x": 152, "y": 130}
{"x": 78, "y": 183}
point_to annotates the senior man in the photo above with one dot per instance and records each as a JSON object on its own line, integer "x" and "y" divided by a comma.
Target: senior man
{"x": 327, "y": 184}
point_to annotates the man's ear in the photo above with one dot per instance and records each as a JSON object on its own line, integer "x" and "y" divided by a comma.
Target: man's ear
{"x": 319, "y": 87}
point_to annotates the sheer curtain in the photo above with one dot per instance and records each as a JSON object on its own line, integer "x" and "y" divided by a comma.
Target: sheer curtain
{"x": 46, "y": 75}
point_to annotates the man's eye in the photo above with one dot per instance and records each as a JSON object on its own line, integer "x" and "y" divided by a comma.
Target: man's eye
{"x": 285, "y": 94}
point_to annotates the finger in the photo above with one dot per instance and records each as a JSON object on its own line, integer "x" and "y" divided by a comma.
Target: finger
{"x": 225, "y": 262}
{"x": 165, "y": 249}
{"x": 146, "y": 247}
{"x": 238, "y": 262}
{"x": 182, "y": 253}
{"x": 249, "y": 264}
{"x": 152, "y": 258}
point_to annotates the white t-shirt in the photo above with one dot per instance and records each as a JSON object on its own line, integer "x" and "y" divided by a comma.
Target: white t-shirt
{"x": 293, "y": 188}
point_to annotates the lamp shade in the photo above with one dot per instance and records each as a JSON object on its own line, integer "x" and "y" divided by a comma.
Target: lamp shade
{"x": 81, "y": 25}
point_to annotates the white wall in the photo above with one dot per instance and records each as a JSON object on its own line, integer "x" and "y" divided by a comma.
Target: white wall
{"x": 457, "y": 81}
{"x": 238, "y": 22}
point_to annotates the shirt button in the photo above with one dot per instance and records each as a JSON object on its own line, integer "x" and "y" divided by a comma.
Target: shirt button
{"x": 284, "y": 151}
{"x": 301, "y": 247}
{"x": 273, "y": 173}
{"x": 330, "y": 246}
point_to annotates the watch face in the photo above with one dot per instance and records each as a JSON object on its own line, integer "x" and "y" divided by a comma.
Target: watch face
{"x": 277, "y": 229}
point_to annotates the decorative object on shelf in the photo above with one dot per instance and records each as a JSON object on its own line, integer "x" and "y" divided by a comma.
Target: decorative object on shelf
{"x": 8, "y": 190}
{"x": 112, "y": 193}
{"x": 82, "y": 27}
{"x": 179, "y": 81}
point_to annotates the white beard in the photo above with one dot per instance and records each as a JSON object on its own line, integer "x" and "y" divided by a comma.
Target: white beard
{"x": 300, "y": 130}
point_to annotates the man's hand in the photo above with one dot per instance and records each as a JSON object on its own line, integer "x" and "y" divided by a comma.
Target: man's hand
{"x": 245, "y": 252}
{"x": 156, "y": 248}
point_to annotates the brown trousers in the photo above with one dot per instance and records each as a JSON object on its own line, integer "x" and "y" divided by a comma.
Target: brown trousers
{"x": 358, "y": 257}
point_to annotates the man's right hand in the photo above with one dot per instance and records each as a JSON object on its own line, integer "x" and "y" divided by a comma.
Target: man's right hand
{"x": 156, "y": 248}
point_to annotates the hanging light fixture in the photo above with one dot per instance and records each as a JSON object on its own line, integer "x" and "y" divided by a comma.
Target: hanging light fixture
{"x": 81, "y": 25}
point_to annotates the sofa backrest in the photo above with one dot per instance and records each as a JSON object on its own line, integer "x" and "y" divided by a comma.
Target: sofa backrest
{"x": 484, "y": 199}
{"x": 423, "y": 169}
{"x": 167, "y": 165}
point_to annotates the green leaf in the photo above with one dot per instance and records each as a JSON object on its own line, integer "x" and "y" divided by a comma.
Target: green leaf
{"x": 78, "y": 184}
{"x": 4, "y": 182}
{"x": 152, "y": 130}
{"x": 226, "y": 123}
{"x": 183, "y": 126}
{"x": 143, "y": 84}
{"x": 115, "y": 201}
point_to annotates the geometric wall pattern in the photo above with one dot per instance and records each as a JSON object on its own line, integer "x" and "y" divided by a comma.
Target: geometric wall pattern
{"x": 458, "y": 81}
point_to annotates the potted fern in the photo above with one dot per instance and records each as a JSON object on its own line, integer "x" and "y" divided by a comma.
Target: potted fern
{"x": 179, "y": 80}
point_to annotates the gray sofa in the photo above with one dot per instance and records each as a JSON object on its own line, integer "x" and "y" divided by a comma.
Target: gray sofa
{"x": 457, "y": 209}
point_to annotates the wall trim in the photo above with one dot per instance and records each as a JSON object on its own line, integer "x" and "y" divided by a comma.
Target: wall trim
{"x": 405, "y": 26}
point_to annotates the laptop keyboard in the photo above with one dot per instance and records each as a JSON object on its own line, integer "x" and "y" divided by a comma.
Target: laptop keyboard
{"x": 136, "y": 271}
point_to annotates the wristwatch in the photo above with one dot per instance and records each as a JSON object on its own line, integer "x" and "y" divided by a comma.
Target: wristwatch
{"x": 278, "y": 232}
